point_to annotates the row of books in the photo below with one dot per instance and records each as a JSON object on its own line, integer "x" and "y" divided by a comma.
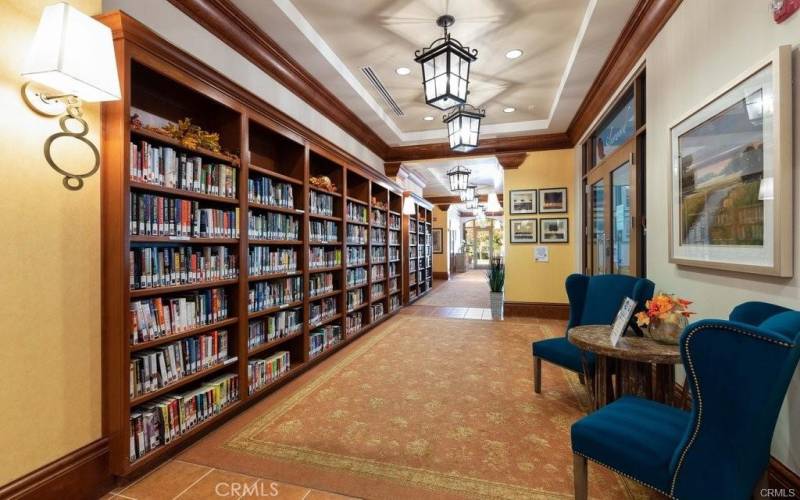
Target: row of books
{"x": 393, "y": 285}
{"x": 155, "y": 369}
{"x": 394, "y": 238}
{"x": 356, "y": 256}
{"x": 322, "y": 257}
{"x": 163, "y": 166}
{"x": 378, "y": 290}
{"x": 378, "y": 255}
{"x": 378, "y": 272}
{"x": 378, "y": 236}
{"x": 160, "y": 317}
{"x": 354, "y": 322}
{"x": 357, "y": 213}
{"x": 267, "y": 191}
{"x": 394, "y": 302}
{"x": 327, "y": 231}
{"x": 394, "y": 222}
{"x": 378, "y": 218}
{"x": 153, "y": 267}
{"x": 393, "y": 267}
{"x": 274, "y": 326}
{"x": 355, "y": 298}
{"x": 321, "y": 310}
{"x": 266, "y": 260}
{"x": 394, "y": 253}
{"x": 323, "y": 338}
{"x": 165, "y": 419}
{"x": 319, "y": 283}
{"x": 277, "y": 292}
{"x": 261, "y": 372}
{"x": 377, "y": 311}
{"x": 357, "y": 235}
{"x": 272, "y": 226}
{"x": 155, "y": 215}
{"x": 356, "y": 276}
{"x": 320, "y": 203}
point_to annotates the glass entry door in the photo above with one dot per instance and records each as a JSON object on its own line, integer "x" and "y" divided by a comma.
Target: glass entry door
{"x": 611, "y": 226}
{"x": 484, "y": 241}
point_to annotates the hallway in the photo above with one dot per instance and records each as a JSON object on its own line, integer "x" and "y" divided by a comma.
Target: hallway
{"x": 462, "y": 290}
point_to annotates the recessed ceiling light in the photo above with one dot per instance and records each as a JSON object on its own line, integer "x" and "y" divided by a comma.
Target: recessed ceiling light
{"x": 402, "y": 71}
{"x": 509, "y": 110}
{"x": 428, "y": 118}
{"x": 513, "y": 54}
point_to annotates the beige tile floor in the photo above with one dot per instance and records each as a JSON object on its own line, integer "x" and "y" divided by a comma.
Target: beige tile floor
{"x": 178, "y": 479}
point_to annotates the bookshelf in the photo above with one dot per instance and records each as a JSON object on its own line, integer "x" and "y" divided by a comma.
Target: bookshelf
{"x": 225, "y": 274}
{"x": 416, "y": 240}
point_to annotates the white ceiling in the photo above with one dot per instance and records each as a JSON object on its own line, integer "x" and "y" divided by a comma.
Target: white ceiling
{"x": 565, "y": 42}
{"x": 486, "y": 173}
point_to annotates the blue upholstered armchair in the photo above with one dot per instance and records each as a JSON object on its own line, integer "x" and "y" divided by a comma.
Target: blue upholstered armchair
{"x": 593, "y": 300}
{"x": 738, "y": 372}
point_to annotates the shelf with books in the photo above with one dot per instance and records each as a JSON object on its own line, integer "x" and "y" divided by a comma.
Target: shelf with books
{"x": 166, "y": 290}
{"x": 269, "y": 276}
{"x": 183, "y": 193}
{"x": 166, "y": 339}
{"x": 275, "y": 208}
{"x": 272, "y": 309}
{"x": 183, "y": 381}
{"x": 270, "y": 173}
{"x": 151, "y": 135}
{"x": 183, "y": 240}
{"x": 258, "y": 349}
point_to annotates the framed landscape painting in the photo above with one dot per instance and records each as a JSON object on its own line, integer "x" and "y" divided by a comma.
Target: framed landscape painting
{"x": 731, "y": 187}
{"x": 554, "y": 230}
{"x": 553, "y": 200}
{"x": 523, "y": 231}
{"x": 523, "y": 201}
{"x": 437, "y": 240}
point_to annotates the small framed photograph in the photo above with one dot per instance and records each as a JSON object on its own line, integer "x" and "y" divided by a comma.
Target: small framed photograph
{"x": 523, "y": 201}
{"x": 437, "y": 240}
{"x": 553, "y": 201}
{"x": 554, "y": 230}
{"x": 523, "y": 231}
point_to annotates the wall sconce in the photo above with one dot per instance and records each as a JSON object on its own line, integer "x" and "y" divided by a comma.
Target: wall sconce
{"x": 71, "y": 59}
{"x": 408, "y": 206}
{"x": 493, "y": 204}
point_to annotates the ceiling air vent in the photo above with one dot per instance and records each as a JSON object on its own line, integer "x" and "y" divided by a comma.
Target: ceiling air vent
{"x": 376, "y": 82}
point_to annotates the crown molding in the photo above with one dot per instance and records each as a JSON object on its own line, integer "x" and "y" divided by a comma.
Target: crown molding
{"x": 452, "y": 200}
{"x": 487, "y": 147}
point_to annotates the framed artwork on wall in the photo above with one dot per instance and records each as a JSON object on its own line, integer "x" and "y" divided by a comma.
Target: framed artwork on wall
{"x": 554, "y": 230}
{"x": 523, "y": 231}
{"x": 731, "y": 186}
{"x": 552, "y": 201}
{"x": 437, "y": 240}
{"x": 523, "y": 202}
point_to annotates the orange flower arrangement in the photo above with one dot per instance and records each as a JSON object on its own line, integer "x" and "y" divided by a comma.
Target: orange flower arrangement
{"x": 664, "y": 307}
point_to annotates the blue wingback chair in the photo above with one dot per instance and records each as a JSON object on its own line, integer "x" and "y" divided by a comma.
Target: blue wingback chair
{"x": 593, "y": 300}
{"x": 738, "y": 372}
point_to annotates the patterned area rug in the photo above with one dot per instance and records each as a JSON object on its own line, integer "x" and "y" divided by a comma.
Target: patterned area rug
{"x": 420, "y": 408}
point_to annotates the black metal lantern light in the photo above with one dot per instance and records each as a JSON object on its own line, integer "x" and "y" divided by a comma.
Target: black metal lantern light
{"x": 468, "y": 194}
{"x": 464, "y": 127}
{"x": 445, "y": 68}
{"x": 459, "y": 178}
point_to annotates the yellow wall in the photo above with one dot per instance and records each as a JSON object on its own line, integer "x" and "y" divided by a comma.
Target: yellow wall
{"x": 50, "y": 273}
{"x": 441, "y": 261}
{"x": 527, "y": 280}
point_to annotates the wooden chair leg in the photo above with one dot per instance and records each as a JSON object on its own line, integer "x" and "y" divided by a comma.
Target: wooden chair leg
{"x": 537, "y": 375}
{"x": 760, "y": 491}
{"x": 580, "y": 472}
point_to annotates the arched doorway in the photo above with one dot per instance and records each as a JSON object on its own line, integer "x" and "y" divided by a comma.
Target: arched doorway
{"x": 483, "y": 241}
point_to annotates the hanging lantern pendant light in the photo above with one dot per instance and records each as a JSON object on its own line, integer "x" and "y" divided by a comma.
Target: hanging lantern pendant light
{"x": 464, "y": 127}
{"x": 445, "y": 68}
{"x": 459, "y": 178}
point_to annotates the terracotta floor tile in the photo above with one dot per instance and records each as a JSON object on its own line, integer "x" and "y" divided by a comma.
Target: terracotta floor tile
{"x": 324, "y": 495}
{"x": 456, "y": 312}
{"x": 282, "y": 491}
{"x": 166, "y": 482}
{"x": 474, "y": 313}
{"x": 221, "y": 484}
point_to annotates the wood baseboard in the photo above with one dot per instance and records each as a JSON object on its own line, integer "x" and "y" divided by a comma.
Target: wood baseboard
{"x": 439, "y": 275}
{"x": 544, "y": 310}
{"x": 81, "y": 474}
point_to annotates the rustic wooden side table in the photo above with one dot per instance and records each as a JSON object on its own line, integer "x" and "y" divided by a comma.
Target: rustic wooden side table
{"x": 636, "y": 365}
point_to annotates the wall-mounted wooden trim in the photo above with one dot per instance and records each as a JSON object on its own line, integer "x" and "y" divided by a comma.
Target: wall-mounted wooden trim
{"x": 487, "y": 147}
{"x": 450, "y": 200}
{"x": 438, "y": 275}
{"x": 81, "y": 474}
{"x": 647, "y": 19}
{"x": 544, "y": 310}
{"x": 228, "y": 23}
{"x": 511, "y": 161}
{"x": 392, "y": 168}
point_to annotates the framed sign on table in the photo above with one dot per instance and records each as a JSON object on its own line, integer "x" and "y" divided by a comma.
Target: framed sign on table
{"x": 731, "y": 186}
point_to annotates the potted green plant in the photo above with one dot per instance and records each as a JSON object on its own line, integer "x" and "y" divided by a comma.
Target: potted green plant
{"x": 496, "y": 276}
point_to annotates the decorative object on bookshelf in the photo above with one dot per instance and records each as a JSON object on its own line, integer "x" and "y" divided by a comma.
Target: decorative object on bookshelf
{"x": 188, "y": 135}
{"x": 496, "y": 276}
{"x": 323, "y": 182}
{"x": 72, "y": 54}
{"x": 731, "y": 185}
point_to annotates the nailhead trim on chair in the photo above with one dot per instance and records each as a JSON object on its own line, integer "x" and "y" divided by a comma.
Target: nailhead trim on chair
{"x": 693, "y": 373}
{"x": 623, "y": 474}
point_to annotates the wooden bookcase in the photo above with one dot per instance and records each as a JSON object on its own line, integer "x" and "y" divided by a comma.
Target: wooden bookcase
{"x": 418, "y": 263}
{"x": 160, "y": 81}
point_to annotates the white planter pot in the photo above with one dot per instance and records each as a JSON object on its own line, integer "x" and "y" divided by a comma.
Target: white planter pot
{"x": 496, "y": 300}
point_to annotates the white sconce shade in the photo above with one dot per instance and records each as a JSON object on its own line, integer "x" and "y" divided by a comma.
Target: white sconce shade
{"x": 494, "y": 203}
{"x": 408, "y": 206}
{"x": 73, "y": 54}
